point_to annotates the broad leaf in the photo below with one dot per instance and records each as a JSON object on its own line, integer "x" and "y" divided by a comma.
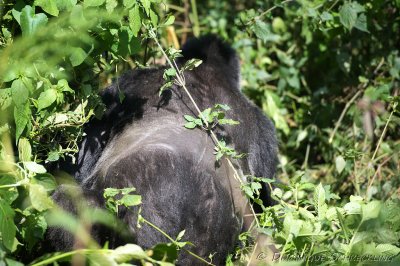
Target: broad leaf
{"x": 30, "y": 21}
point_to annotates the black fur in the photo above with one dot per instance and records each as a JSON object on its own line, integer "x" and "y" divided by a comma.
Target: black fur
{"x": 141, "y": 142}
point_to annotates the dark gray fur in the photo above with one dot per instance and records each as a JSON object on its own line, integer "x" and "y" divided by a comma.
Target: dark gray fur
{"x": 142, "y": 143}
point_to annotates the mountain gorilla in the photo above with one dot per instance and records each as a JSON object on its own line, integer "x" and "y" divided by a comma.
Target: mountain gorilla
{"x": 142, "y": 143}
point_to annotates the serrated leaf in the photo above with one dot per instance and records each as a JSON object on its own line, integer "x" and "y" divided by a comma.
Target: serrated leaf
{"x": 261, "y": 30}
{"x": 129, "y": 3}
{"x": 352, "y": 208}
{"x": 371, "y": 210}
{"x": 127, "y": 253}
{"x": 131, "y": 200}
{"x": 111, "y": 5}
{"x": 388, "y": 249}
{"x": 39, "y": 198}
{"x": 47, "y": 98}
{"x": 190, "y": 125}
{"x": 46, "y": 180}
{"x": 22, "y": 116}
{"x": 35, "y": 167}
{"x": 340, "y": 164}
{"x": 228, "y": 122}
{"x": 348, "y": 15}
{"x": 30, "y": 21}
{"x": 77, "y": 56}
{"x": 7, "y": 226}
{"x": 326, "y": 16}
{"x": 135, "y": 21}
{"x": 24, "y": 150}
{"x": 63, "y": 85}
{"x": 66, "y": 4}
{"x": 189, "y": 118}
{"x": 87, "y": 3}
{"x": 169, "y": 21}
{"x": 146, "y": 6}
{"x": 361, "y": 23}
{"x": 319, "y": 201}
{"x": 153, "y": 18}
{"x": 49, "y": 6}
{"x": 19, "y": 92}
{"x": 171, "y": 72}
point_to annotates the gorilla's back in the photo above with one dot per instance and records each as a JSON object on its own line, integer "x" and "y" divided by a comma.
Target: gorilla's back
{"x": 141, "y": 142}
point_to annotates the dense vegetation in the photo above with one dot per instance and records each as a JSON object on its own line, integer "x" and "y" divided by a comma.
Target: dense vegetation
{"x": 326, "y": 72}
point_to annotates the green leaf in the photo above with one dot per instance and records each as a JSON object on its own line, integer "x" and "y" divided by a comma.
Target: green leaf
{"x": 8, "y": 194}
{"x": 169, "y": 21}
{"x": 63, "y": 85}
{"x": 189, "y": 118}
{"x": 47, "y": 98}
{"x": 48, "y": 6}
{"x": 30, "y": 21}
{"x": 388, "y": 250}
{"x": 87, "y": 3}
{"x": 352, "y": 208}
{"x": 146, "y": 6}
{"x": 111, "y": 5}
{"x": 361, "y": 23}
{"x": 129, "y": 3}
{"x": 135, "y": 21}
{"x": 77, "y": 56}
{"x": 39, "y": 198}
{"x": 19, "y": 92}
{"x": 340, "y": 164}
{"x": 153, "y": 18}
{"x": 165, "y": 252}
{"x": 180, "y": 235}
{"x": 171, "y": 72}
{"x": 46, "y": 180}
{"x": 371, "y": 210}
{"x": 261, "y": 30}
{"x": 130, "y": 200}
{"x": 192, "y": 63}
{"x": 319, "y": 201}
{"x": 326, "y": 16}
{"x": 127, "y": 253}
{"x": 22, "y": 116}
{"x": 34, "y": 228}
{"x": 24, "y": 150}
{"x": 7, "y": 226}
{"x": 35, "y": 167}
{"x": 190, "y": 125}
{"x": 348, "y": 15}
{"x": 66, "y": 4}
{"x": 11, "y": 262}
{"x": 228, "y": 122}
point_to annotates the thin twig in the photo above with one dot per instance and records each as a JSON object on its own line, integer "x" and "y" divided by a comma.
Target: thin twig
{"x": 348, "y": 104}
{"x": 181, "y": 82}
{"x": 384, "y": 132}
{"x": 268, "y": 11}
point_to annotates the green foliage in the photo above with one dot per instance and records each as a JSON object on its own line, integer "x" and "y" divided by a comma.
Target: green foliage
{"x": 120, "y": 197}
{"x": 356, "y": 228}
{"x": 326, "y": 72}
{"x": 210, "y": 118}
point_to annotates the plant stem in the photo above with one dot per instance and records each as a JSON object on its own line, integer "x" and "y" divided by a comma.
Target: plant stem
{"x": 196, "y": 26}
{"x": 174, "y": 242}
{"x": 348, "y": 104}
{"x": 268, "y": 11}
